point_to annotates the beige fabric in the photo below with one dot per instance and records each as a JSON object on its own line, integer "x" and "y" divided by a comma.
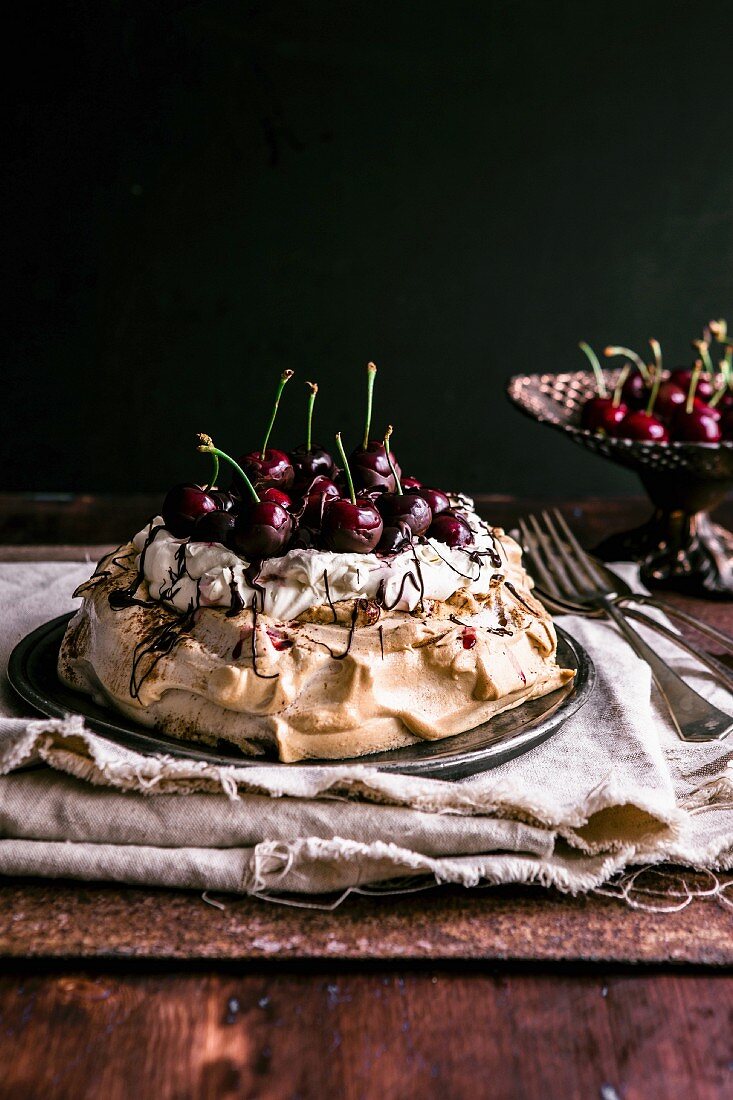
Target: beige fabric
{"x": 614, "y": 787}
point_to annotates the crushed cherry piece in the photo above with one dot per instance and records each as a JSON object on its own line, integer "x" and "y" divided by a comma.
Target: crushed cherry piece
{"x": 279, "y": 640}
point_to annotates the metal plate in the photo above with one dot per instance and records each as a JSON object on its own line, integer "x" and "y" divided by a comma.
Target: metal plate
{"x": 32, "y": 673}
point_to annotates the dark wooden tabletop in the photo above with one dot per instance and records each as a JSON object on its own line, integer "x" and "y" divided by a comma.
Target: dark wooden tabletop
{"x": 517, "y": 993}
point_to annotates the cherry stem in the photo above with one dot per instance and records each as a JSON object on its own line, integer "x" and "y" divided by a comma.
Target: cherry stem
{"x": 655, "y": 390}
{"x": 206, "y": 446}
{"x": 387, "y": 434}
{"x": 620, "y": 385}
{"x": 704, "y": 348}
{"x": 371, "y": 372}
{"x": 635, "y": 359}
{"x": 284, "y": 379}
{"x": 696, "y": 372}
{"x": 347, "y": 471}
{"x": 215, "y": 474}
{"x": 718, "y": 329}
{"x": 311, "y": 402}
{"x": 657, "y": 353}
{"x": 725, "y": 366}
{"x": 597, "y": 369}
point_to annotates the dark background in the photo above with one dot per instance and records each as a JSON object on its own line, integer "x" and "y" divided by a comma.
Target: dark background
{"x": 200, "y": 195}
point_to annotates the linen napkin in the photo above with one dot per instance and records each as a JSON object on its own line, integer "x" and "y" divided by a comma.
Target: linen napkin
{"x": 614, "y": 787}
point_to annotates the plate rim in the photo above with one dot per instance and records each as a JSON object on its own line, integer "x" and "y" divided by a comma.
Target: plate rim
{"x": 459, "y": 765}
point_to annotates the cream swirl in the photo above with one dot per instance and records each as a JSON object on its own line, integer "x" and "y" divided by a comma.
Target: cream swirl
{"x": 185, "y": 574}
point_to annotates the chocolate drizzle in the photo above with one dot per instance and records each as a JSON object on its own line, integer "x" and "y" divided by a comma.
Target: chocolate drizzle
{"x": 252, "y": 577}
{"x": 328, "y": 596}
{"x": 158, "y": 645}
{"x": 237, "y": 603}
{"x": 421, "y": 582}
{"x": 466, "y": 576}
{"x": 381, "y": 601}
{"x": 101, "y": 573}
{"x": 493, "y": 553}
{"x": 381, "y": 640}
{"x": 499, "y": 630}
{"x": 127, "y": 597}
{"x": 175, "y": 576}
{"x": 359, "y": 605}
{"x": 262, "y": 675}
{"x": 517, "y": 597}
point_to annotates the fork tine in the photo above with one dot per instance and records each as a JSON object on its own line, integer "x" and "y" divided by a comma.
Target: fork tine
{"x": 582, "y": 555}
{"x": 555, "y": 564}
{"x": 581, "y": 587}
{"x": 544, "y": 577}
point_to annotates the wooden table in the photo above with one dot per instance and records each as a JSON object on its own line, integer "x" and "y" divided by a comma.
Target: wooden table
{"x": 511, "y": 993}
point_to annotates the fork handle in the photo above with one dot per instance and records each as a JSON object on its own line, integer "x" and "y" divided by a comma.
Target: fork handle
{"x": 694, "y": 717}
{"x": 669, "y": 609}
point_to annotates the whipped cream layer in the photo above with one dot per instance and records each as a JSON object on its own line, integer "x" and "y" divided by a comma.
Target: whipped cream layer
{"x": 185, "y": 574}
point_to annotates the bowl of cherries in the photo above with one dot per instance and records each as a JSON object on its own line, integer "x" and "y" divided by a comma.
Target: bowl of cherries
{"x": 674, "y": 428}
{"x": 308, "y": 499}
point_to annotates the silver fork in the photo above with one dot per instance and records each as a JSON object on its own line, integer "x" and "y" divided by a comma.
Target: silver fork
{"x": 564, "y": 569}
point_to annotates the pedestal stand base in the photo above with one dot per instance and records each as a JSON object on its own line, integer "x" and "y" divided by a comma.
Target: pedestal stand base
{"x": 688, "y": 553}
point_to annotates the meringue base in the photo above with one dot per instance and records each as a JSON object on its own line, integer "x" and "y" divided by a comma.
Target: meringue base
{"x": 311, "y": 688}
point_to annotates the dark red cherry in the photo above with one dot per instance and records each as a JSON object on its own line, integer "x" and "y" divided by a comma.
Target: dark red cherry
{"x": 726, "y": 422}
{"x": 408, "y": 508}
{"x": 436, "y": 498}
{"x": 183, "y": 505}
{"x": 635, "y": 391}
{"x": 350, "y": 528}
{"x": 305, "y": 538}
{"x": 644, "y": 428}
{"x": 224, "y": 501}
{"x": 370, "y": 468}
{"x": 320, "y": 491}
{"x": 715, "y": 412}
{"x": 409, "y": 483}
{"x": 394, "y": 539}
{"x": 275, "y": 496}
{"x": 372, "y": 495}
{"x": 262, "y": 530}
{"x": 669, "y": 399}
{"x": 682, "y": 377}
{"x": 452, "y": 529}
{"x": 696, "y": 426}
{"x": 214, "y": 527}
{"x": 274, "y": 469}
{"x": 309, "y": 464}
{"x": 601, "y": 415}
{"x": 613, "y": 419}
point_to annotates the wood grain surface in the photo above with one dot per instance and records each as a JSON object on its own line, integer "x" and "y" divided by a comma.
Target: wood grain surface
{"x": 387, "y": 1034}
{"x": 67, "y": 921}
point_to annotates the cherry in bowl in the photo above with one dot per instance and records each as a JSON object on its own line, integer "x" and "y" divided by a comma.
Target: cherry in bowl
{"x": 699, "y": 425}
{"x": 603, "y": 414}
{"x": 644, "y": 428}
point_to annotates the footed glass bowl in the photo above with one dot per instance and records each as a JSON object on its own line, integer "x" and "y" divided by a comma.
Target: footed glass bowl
{"x": 679, "y": 547}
